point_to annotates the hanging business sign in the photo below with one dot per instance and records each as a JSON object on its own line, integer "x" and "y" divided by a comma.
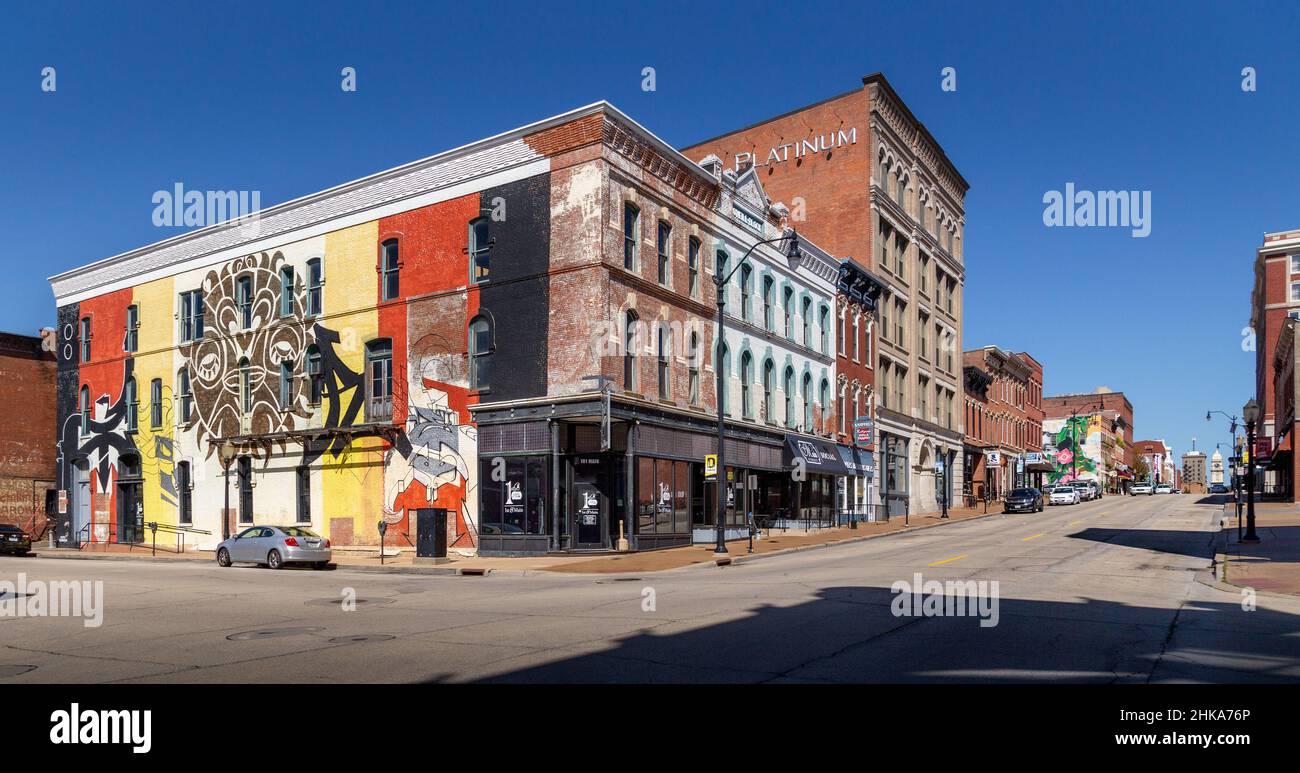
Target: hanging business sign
{"x": 994, "y": 458}
{"x": 710, "y": 466}
{"x": 862, "y": 430}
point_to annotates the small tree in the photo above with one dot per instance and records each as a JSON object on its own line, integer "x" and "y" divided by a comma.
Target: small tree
{"x": 1140, "y": 469}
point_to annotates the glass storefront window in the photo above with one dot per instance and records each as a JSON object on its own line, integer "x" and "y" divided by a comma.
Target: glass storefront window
{"x": 518, "y": 504}
{"x": 663, "y": 496}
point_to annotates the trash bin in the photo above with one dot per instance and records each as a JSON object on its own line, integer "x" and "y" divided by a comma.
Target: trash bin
{"x": 431, "y": 533}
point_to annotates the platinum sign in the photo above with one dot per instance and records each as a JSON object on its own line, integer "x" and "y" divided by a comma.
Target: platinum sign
{"x": 819, "y": 144}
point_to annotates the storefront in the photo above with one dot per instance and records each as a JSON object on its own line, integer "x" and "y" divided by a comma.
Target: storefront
{"x": 1037, "y": 464}
{"x": 561, "y": 477}
{"x": 814, "y": 465}
{"x": 894, "y": 474}
{"x": 854, "y": 489}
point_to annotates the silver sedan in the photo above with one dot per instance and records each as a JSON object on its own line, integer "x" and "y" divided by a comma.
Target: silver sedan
{"x": 276, "y": 546}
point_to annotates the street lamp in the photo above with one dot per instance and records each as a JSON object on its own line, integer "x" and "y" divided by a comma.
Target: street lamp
{"x": 792, "y": 256}
{"x": 1250, "y": 412}
{"x": 1236, "y": 479}
{"x": 226, "y": 453}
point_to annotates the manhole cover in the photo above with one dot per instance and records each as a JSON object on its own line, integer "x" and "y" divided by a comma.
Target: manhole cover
{"x": 364, "y": 637}
{"x": 8, "y": 671}
{"x": 271, "y": 633}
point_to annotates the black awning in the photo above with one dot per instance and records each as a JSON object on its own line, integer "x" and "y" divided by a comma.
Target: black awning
{"x": 818, "y": 456}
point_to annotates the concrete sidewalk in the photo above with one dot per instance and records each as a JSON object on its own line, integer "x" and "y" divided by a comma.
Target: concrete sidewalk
{"x": 1274, "y": 563}
{"x": 766, "y": 543}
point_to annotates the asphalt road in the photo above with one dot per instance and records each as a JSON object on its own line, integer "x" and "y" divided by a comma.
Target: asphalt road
{"x": 1104, "y": 591}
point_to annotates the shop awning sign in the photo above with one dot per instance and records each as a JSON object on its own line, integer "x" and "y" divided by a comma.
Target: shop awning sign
{"x": 710, "y": 466}
{"x": 816, "y": 455}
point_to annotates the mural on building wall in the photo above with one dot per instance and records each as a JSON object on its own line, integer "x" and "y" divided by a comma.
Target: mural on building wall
{"x": 342, "y": 395}
{"x": 1070, "y": 455}
{"x": 214, "y": 360}
{"x": 107, "y": 439}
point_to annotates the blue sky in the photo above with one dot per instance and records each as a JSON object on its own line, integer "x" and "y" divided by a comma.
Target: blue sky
{"x": 1108, "y": 96}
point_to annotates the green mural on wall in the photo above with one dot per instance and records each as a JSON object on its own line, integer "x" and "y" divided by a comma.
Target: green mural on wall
{"x": 1068, "y": 456}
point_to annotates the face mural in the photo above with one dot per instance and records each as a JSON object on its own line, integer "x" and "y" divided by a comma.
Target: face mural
{"x": 238, "y": 360}
{"x": 106, "y": 440}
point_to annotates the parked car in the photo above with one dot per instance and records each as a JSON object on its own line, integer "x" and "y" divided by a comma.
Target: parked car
{"x": 1219, "y": 488}
{"x": 276, "y": 546}
{"x": 1064, "y": 495}
{"x": 1164, "y": 488}
{"x": 1088, "y": 489}
{"x": 1141, "y": 488}
{"x": 1023, "y": 500}
{"x": 14, "y": 540}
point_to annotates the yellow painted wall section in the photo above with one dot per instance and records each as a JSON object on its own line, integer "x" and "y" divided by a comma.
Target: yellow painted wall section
{"x": 154, "y": 360}
{"x": 353, "y": 483}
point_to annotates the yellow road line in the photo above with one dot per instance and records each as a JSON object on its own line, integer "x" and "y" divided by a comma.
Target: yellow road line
{"x": 1071, "y": 523}
{"x": 948, "y": 560}
{"x": 1026, "y": 539}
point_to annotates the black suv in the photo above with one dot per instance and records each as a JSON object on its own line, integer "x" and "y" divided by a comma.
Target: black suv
{"x": 14, "y": 540}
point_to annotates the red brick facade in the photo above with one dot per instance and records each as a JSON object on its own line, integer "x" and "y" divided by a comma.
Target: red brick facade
{"x": 27, "y": 436}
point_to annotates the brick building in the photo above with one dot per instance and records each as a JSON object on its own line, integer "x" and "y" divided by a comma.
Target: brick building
{"x": 1159, "y": 458}
{"x": 857, "y": 298}
{"x": 1274, "y": 299}
{"x": 516, "y": 335}
{"x": 27, "y": 453}
{"x": 1193, "y": 477}
{"x": 1003, "y": 421}
{"x": 1278, "y": 452}
{"x": 866, "y": 179}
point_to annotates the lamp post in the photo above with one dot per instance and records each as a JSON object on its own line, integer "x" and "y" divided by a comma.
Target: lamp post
{"x": 226, "y": 453}
{"x": 1250, "y": 412}
{"x": 792, "y": 256}
{"x": 1236, "y": 479}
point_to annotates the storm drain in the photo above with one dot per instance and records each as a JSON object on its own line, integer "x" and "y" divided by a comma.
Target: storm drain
{"x": 8, "y": 671}
{"x": 360, "y": 638}
{"x": 271, "y": 633}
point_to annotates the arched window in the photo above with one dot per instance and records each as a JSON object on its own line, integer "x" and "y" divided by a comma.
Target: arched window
{"x": 807, "y": 403}
{"x": 825, "y": 401}
{"x": 315, "y": 375}
{"x": 769, "y": 376}
{"x": 84, "y": 406}
{"x": 769, "y": 300}
{"x": 746, "y": 377}
{"x": 245, "y": 386}
{"x": 789, "y": 397}
{"x": 806, "y": 312}
{"x": 390, "y": 265}
{"x": 480, "y": 242}
{"x": 787, "y": 306}
{"x": 693, "y": 265}
{"x": 379, "y": 367}
{"x": 725, "y": 364}
{"x": 186, "y": 395}
{"x": 480, "y": 348}
{"x": 661, "y": 354}
{"x": 629, "y": 351}
{"x": 824, "y": 321}
{"x": 746, "y": 290}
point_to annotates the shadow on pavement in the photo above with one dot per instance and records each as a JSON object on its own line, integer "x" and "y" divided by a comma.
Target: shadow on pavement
{"x": 850, "y": 634}
{"x": 1198, "y": 544}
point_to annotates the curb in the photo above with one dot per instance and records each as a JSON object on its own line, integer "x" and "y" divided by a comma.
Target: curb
{"x": 117, "y": 557}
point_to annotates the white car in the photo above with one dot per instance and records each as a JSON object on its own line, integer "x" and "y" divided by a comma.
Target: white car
{"x": 1164, "y": 488}
{"x": 1064, "y": 495}
{"x": 1140, "y": 488}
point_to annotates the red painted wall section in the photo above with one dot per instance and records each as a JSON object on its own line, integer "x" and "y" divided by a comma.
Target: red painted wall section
{"x": 104, "y": 375}
{"x": 427, "y": 325}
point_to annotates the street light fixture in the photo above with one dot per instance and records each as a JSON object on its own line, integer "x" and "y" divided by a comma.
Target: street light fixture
{"x": 793, "y": 256}
{"x": 226, "y": 453}
{"x": 1250, "y": 412}
{"x": 1233, "y": 461}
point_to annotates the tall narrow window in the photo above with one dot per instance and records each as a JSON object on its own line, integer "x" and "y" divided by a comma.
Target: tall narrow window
{"x": 303, "y": 475}
{"x": 244, "y": 301}
{"x": 286, "y": 291}
{"x": 131, "y": 342}
{"x": 694, "y": 358}
{"x": 629, "y": 352}
{"x": 186, "y": 395}
{"x": 315, "y": 375}
{"x": 132, "y": 400}
{"x": 807, "y": 403}
{"x": 693, "y": 265}
{"x": 769, "y": 290}
{"x": 480, "y": 348}
{"x": 806, "y": 314}
{"x": 184, "y": 495}
{"x": 824, "y": 399}
{"x": 823, "y": 326}
{"x": 724, "y": 362}
{"x": 746, "y": 385}
{"x": 286, "y": 385}
{"x": 631, "y": 235}
{"x": 480, "y": 243}
{"x": 789, "y": 397}
{"x": 390, "y": 265}
{"x": 769, "y": 375}
{"x": 746, "y": 290}
{"x": 664, "y": 244}
{"x": 856, "y": 353}
{"x": 191, "y": 316}
{"x": 245, "y": 386}
{"x": 84, "y": 406}
{"x": 787, "y": 306}
{"x": 315, "y": 287}
{"x": 244, "y": 475}
{"x": 379, "y": 367}
{"x": 85, "y": 339}
{"x": 661, "y": 352}
{"x": 155, "y": 404}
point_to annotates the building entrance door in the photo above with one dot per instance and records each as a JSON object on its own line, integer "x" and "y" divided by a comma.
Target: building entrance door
{"x": 589, "y": 503}
{"x": 130, "y": 510}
